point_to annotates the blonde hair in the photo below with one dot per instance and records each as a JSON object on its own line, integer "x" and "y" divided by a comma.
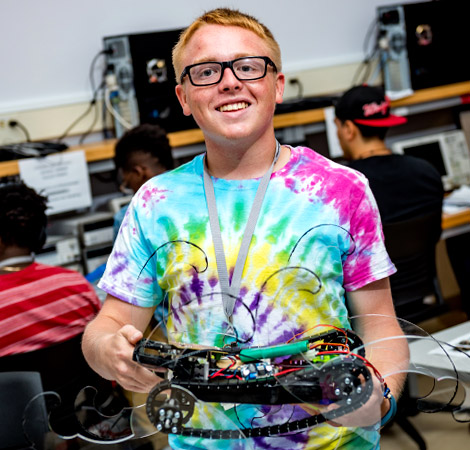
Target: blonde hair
{"x": 226, "y": 17}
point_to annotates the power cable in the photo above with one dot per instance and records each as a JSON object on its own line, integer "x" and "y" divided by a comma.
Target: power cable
{"x": 17, "y": 124}
{"x": 93, "y": 101}
{"x": 366, "y": 63}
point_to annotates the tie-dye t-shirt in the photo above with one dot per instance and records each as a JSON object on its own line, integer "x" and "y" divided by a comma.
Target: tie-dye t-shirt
{"x": 318, "y": 235}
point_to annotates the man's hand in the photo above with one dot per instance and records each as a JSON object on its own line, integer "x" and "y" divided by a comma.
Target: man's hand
{"x": 128, "y": 373}
{"x": 109, "y": 341}
{"x": 366, "y": 415}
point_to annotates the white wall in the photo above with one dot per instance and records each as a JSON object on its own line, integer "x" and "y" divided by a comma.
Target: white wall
{"x": 47, "y": 46}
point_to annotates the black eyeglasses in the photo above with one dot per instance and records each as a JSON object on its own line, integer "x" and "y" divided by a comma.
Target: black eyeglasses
{"x": 248, "y": 68}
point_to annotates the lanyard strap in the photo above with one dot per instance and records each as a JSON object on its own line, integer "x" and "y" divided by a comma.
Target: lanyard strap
{"x": 231, "y": 290}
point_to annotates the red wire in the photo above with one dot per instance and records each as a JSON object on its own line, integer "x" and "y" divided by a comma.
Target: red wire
{"x": 288, "y": 371}
{"x": 223, "y": 369}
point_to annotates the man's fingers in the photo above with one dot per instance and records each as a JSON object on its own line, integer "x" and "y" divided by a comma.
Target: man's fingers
{"x": 132, "y": 334}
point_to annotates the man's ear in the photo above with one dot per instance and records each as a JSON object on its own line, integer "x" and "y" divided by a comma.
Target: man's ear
{"x": 350, "y": 130}
{"x": 140, "y": 172}
{"x": 181, "y": 94}
{"x": 144, "y": 172}
{"x": 280, "y": 84}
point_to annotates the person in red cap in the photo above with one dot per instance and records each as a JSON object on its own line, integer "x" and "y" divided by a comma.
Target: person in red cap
{"x": 404, "y": 186}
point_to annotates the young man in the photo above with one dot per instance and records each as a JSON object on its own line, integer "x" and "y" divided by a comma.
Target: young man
{"x": 317, "y": 236}
{"x": 140, "y": 154}
{"x": 404, "y": 186}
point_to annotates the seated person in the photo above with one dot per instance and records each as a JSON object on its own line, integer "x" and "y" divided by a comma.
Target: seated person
{"x": 404, "y": 186}
{"x": 140, "y": 154}
{"x": 40, "y": 305}
{"x": 43, "y": 309}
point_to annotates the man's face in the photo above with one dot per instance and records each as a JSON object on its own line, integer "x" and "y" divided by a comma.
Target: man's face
{"x": 130, "y": 181}
{"x": 231, "y": 109}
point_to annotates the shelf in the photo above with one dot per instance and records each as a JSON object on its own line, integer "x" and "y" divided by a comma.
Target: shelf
{"x": 105, "y": 150}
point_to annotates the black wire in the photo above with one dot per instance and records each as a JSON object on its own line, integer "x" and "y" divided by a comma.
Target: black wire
{"x": 16, "y": 123}
{"x": 82, "y": 116}
{"x": 92, "y": 83}
{"x": 95, "y": 92}
{"x": 95, "y": 119}
{"x": 367, "y": 69}
{"x": 300, "y": 88}
{"x": 366, "y": 63}
{"x": 92, "y": 67}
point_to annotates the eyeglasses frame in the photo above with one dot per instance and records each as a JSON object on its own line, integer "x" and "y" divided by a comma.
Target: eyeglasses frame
{"x": 228, "y": 64}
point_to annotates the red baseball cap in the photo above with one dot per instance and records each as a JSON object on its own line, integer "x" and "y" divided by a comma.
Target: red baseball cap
{"x": 368, "y": 106}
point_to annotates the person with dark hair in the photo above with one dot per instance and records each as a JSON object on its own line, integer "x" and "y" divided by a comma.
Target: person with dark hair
{"x": 40, "y": 305}
{"x": 253, "y": 243}
{"x": 140, "y": 154}
{"x": 404, "y": 186}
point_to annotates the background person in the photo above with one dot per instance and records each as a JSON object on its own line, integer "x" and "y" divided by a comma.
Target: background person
{"x": 316, "y": 217}
{"x": 40, "y": 305}
{"x": 140, "y": 154}
{"x": 404, "y": 186}
{"x": 43, "y": 310}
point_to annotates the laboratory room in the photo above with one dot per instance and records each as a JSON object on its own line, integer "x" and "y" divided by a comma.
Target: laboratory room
{"x": 147, "y": 233}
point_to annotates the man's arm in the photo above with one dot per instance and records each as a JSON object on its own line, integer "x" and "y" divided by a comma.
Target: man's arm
{"x": 376, "y": 322}
{"x": 109, "y": 340}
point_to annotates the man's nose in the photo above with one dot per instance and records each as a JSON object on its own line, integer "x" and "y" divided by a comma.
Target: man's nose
{"x": 229, "y": 80}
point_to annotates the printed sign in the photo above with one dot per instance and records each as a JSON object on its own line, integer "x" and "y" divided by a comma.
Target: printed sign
{"x": 62, "y": 178}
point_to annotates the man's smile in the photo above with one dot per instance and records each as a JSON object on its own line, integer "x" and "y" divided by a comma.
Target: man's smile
{"x": 233, "y": 106}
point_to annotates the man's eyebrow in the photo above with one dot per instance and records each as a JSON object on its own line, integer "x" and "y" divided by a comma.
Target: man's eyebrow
{"x": 214, "y": 59}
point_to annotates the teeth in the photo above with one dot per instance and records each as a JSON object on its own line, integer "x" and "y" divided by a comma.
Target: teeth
{"x": 233, "y": 107}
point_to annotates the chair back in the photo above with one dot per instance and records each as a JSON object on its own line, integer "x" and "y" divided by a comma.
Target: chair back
{"x": 23, "y": 414}
{"x": 411, "y": 245}
{"x": 63, "y": 370}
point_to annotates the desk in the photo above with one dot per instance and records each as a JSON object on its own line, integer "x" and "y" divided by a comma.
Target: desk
{"x": 426, "y": 354}
{"x": 105, "y": 150}
{"x": 423, "y": 354}
{"x": 455, "y": 224}
{"x": 452, "y": 224}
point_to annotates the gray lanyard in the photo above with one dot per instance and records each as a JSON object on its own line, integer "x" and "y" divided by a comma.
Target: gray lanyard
{"x": 231, "y": 290}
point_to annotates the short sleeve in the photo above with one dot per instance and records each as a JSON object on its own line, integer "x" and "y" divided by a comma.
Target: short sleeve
{"x": 368, "y": 261}
{"x": 130, "y": 273}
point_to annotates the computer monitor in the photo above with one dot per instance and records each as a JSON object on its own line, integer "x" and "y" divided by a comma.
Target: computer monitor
{"x": 447, "y": 152}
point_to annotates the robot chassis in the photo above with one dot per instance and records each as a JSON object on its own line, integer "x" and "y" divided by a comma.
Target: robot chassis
{"x": 322, "y": 369}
